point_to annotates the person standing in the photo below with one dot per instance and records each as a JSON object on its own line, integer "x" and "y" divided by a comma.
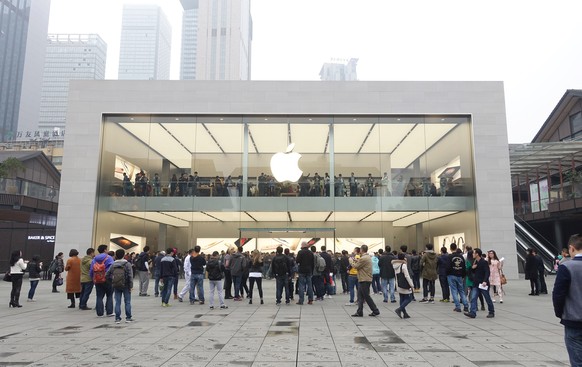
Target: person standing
{"x": 143, "y": 271}
{"x": 456, "y": 271}
{"x": 376, "y": 286}
{"x": 215, "y": 271}
{"x": 57, "y": 267}
{"x": 17, "y": 269}
{"x": 542, "y": 286}
{"x": 481, "y": 279}
{"x": 255, "y": 275}
{"x": 531, "y": 272}
{"x": 280, "y": 270}
{"x": 73, "y": 269}
{"x": 343, "y": 270}
{"x": 227, "y": 274}
{"x": 443, "y": 262}
{"x": 305, "y": 265}
{"x": 120, "y": 276}
{"x": 86, "y": 281}
{"x": 495, "y": 275}
{"x": 429, "y": 274}
{"x": 168, "y": 273}
{"x": 387, "y": 274}
{"x": 567, "y": 299}
{"x": 99, "y": 266}
{"x": 236, "y": 271}
{"x": 187, "y": 276}
{"x": 197, "y": 263}
{"x": 353, "y": 276}
{"x": 327, "y": 273}
{"x": 34, "y": 269}
{"x": 157, "y": 267}
{"x": 364, "y": 267}
{"x": 404, "y": 287}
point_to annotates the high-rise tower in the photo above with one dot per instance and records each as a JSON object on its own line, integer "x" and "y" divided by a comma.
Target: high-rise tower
{"x": 68, "y": 57}
{"x": 339, "y": 69}
{"x": 216, "y": 40}
{"x": 146, "y": 38}
{"x": 23, "y": 31}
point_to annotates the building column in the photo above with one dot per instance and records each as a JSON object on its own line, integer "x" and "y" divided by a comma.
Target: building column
{"x": 162, "y": 236}
{"x": 559, "y": 236}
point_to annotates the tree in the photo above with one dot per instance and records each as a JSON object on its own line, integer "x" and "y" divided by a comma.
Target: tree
{"x": 10, "y": 166}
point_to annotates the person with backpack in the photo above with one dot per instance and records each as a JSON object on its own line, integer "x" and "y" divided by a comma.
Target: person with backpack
{"x": 292, "y": 270}
{"x": 280, "y": 271}
{"x": 143, "y": 271}
{"x": 236, "y": 271}
{"x": 99, "y": 266}
{"x": 305, "y": 265}
{"x": 413, "y": 261}
{"x": 318, "y": 271}
{"x": 56, "y": 267}
{"x": 120, "y": 276}
{"x": 215, "y": 271}
{"x": 387, "y": 275}
{"x": 404, "y": 283}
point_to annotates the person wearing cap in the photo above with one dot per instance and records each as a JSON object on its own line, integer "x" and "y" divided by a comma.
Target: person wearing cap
{"x": 305, "y": 265}
{"x": 567, "y": 299}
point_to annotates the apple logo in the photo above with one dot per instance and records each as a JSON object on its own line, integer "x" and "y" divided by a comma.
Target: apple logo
{"x": 285, "y": 166}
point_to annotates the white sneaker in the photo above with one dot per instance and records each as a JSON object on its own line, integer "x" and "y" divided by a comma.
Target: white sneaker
{"x": 493, "y": 301}
{"x": 500, "y": 301}
{"x": 350, "y": 303}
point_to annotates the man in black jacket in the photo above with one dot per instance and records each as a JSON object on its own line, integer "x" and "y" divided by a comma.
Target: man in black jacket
{"x": 327, "y": 272}
{"x": 305, "y": 262}
{"x": 481, "y": 278}
{"x": 455, "y": 273}
{"x": 387, "y": 275}
{"x": 280, "y": 271}
{"x": 344, "y": 263}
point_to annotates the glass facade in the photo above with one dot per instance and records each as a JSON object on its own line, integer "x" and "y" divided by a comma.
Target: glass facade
{"x": 14, "y": 18}
{"x": 208, "y": 179}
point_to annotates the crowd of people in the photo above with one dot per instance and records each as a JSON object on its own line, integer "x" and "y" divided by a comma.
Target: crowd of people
{"x": 185, "y": 184}
{"x": 467, "y": 277}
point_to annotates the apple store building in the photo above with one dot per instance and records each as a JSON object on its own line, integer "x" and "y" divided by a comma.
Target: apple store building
{"x": 274, "y": 163}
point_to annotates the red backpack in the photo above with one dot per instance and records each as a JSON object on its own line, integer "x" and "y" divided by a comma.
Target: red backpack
{"x": 99, "y": 272}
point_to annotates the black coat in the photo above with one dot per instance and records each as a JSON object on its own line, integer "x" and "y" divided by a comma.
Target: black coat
{"x": 531, "y": 267}
{"x": 385, "y": 265}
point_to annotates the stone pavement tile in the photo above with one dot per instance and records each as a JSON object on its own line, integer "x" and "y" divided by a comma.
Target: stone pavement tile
{"x": 284, "y": 347}
{"x": 243, "y": 345}
{"x": 194, "y": 355}
{"x": 172, "y": 363}
{"x": 390, "y": 357}
{"x": 270, "y": 364}
{"x": 543, "y": 364}
{"x": 359, "y": 364}
{"x": 557, "y": 354}
{"x": 276, "y": 356}
{"x": 435, "y": 347}
{"x": 445, "y": 359}
{"x": 524, "y": 356}
{"x": 364, "y": 358}
{"x": 235, "y": 356}
{"x": 318, "y": 364}
{"x": 230, "y": 364}
{"x": 309, "y": 346}
{"x": 479, "y": 355}
{"x": 316, "y": 356}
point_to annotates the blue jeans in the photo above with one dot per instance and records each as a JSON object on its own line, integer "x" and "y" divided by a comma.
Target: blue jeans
{"x": 388, "y": 287}
{"x": 456, "y": 285}
{"x": 317, "y": 281}
{"x": 475, "y": 294}
{"x": 573, "y": 338}
{"x": 352, "y": 285}
{"x": 236, "y": 279}
{"x": 304, "y": 281}
{"x": 33, "y": 284}
{"x": 197, "y": 280}
{"x": 167, "y": 291}
{"x": 86, "y": 289}
{"x": 282, "y": 282}
{"x": 376, "y": 286}
{"x": 104, "y": 290}
{"x": 405, "y": 299}
{"x": 126, "y": 299}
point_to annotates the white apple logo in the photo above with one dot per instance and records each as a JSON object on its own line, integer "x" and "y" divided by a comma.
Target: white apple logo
{"x": 285, "y": 166}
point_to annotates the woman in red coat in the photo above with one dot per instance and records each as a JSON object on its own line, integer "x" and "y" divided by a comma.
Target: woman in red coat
{"x": 73, "y": 269}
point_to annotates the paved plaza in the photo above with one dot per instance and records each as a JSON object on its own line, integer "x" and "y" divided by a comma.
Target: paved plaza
{"x": 524, "y": 332}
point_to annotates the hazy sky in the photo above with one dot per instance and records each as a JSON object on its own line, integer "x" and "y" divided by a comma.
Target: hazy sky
{"x": 533, "y": 46}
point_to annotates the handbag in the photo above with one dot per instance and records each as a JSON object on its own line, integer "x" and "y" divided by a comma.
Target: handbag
{"x": 401, "y": 280}
{"x": 7, "y": 276}
{"x": 503, "y": 279}
{"x": 59, "y": 281}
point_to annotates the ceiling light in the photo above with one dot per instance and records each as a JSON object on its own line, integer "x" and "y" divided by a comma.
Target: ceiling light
{"x": 221, "y": 119}
{"x": 355, "y": 120}
{"x": 266, "y": 119}
{"x": 310, "y": 119}
{"x": 442, "y": 119}
{"x": 397, "y": 119}
{"x": 131, "y": 118}
{"x": 177, "y": 119}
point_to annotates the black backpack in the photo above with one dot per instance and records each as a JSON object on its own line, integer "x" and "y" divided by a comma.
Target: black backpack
{"x": 118, "y": 279}
{"x": 279, "y": 266}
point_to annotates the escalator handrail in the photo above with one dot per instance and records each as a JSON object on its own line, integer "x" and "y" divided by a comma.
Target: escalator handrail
{"x": 534, "y": 240}
{"x": 533, "y": 233}
{"x": 525, "y": 248}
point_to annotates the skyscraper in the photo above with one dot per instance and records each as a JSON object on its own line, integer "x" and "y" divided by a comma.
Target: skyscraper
{"x": 146, "y": 38}
{"x": 216, "y": 40}
{"x": 338, "y": 70}
{"x": 23, "y": 31}
{"x": 68, "y": 57}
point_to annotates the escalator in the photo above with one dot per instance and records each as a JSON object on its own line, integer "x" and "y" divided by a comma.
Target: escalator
{"x": 526, "y": 237}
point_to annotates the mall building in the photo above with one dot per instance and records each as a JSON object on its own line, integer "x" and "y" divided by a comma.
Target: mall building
{"x": 268, "y": 163}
